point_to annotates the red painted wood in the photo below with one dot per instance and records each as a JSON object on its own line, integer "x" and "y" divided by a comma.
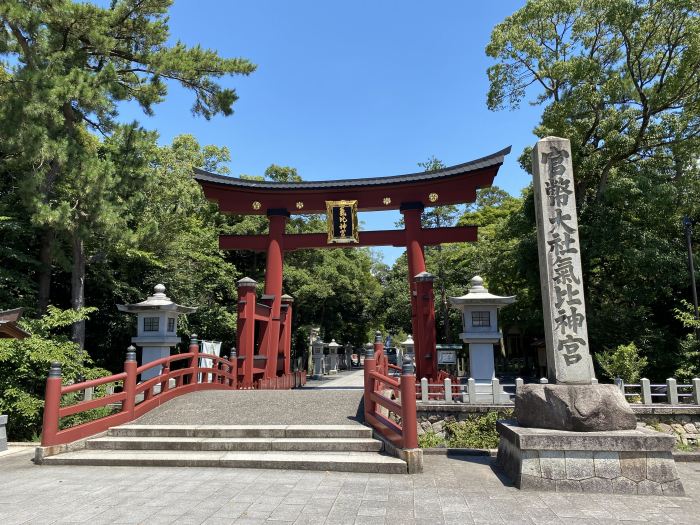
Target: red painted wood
{"x": 51, "y": 409}
{"x": 273, "y": 287}
{"x": 246, "y": 333}
{"x": 409, "y": 417}
{"x": 129, "y": 389}
{"x": 89, "y": 405}
{"x": 426, "y": 361}
{"x": 76, "y": 387}
{"x": 303, "y": 241}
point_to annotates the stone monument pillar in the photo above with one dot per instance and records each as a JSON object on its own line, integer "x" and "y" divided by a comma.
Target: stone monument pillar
{"x": 572, "y": 434}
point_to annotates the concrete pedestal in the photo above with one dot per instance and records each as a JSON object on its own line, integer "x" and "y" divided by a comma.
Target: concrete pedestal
{"x": 611, "y": 462}
{"x": 153, "y": 353}
{"x": 333, "y": 363}
{"x": 481, "y": 365}
{"x": 318, "y": 365}
{"x": 3, "y": 433}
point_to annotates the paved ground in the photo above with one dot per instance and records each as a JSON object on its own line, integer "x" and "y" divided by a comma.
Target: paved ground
{"x": 345, "y": 379}
{"x": 451, "y": 491}
{"x": 261, "y": 407}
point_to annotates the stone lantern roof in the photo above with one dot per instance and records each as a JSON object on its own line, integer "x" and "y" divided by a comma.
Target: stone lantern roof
{"x": 478, "y": 295}
{"x": 157, "y": 301}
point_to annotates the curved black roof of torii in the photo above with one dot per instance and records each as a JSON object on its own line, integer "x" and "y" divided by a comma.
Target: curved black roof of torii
{"x": 484, "y": 162}
{"x": 453, "y": 184}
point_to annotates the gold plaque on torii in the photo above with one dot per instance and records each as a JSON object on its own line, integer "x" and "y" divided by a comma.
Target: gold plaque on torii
{"x": 341, "y": 219}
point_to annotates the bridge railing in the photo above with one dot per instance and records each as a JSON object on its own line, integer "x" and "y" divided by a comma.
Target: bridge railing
{"x": 394, "y": 419}
{"x": 126, "y": 398}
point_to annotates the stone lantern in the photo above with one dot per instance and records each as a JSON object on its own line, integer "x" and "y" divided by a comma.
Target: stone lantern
{"x": 480, "y": 328}
{"x": 156, "y": 329}
{"x": 408, "y": 346}
{"x": 348, "y": 356}
{"x": 333, "y": 357}
{"x": 317, "y": 354}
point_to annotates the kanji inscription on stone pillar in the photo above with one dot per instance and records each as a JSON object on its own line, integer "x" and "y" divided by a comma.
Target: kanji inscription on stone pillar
{"x": 566, "y": 331}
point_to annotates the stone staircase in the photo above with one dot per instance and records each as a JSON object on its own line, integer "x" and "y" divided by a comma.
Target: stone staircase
{"x": 343, "y": 448}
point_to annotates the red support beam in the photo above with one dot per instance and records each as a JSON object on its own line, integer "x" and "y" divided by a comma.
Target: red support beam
{"x": 301, "y": 241}
{"x": 246, "y": 330}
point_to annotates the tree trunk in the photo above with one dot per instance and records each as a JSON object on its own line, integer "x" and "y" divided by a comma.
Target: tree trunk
{"x": 77, "y": 287}
{"x": 446, "y": 312}
{"x": 45, "y": 259}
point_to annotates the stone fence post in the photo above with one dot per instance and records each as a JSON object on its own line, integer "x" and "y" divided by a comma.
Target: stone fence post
{"x": 671, "y": 391}
{"x": 646, "y": 391}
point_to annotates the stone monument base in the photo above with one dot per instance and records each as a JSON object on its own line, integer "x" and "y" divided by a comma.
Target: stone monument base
{"x": 613, "y": 462}
{"x": 3, "y": 433}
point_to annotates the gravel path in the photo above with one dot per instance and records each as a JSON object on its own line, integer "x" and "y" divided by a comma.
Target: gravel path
{"x": 261, "y": 407}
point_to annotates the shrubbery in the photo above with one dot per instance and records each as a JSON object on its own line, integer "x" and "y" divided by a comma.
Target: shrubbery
{"x": 474, "y": 432}
{"x": 24, "y": 365}
{"x": 623, "y": 362}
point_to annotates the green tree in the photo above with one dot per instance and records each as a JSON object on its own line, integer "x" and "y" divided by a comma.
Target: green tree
{"x": 439, "y": 217}
{"x": 172, "y": 239}
{"x": 689, "y": 346}
{"x": 24, "y": 364}
{"x": 65, "y": 67}
{"x": 619, "y": 79}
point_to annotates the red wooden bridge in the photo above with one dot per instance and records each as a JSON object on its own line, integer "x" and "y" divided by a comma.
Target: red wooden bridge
{"x": 264, "y": 326}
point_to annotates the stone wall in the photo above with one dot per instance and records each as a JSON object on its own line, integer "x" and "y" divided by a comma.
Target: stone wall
{"x": 681, "y": 422}
{"x": 684, "y": 427}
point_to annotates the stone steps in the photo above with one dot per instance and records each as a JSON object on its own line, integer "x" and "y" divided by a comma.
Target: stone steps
{"x": 243, "y": 431}
{"x": 342, "y": 448}
{"x": 236, "y": 444}
{"x": 345, "y": 462}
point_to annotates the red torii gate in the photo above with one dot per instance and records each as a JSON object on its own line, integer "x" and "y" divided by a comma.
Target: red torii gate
{"x": 278, "y": 200}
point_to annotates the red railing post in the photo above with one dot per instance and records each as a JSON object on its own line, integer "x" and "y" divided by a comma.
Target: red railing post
{"x": 379, "y": 353}
{"x": 234, "y": 368}
{"x": 52, "y": 403}
{"x": 370, "y": 366}
{"x": 194, "y": 360}
{"x": 165, "y": 384}
{"x": 130, "y": 367}
{"x": 409, "y": 420}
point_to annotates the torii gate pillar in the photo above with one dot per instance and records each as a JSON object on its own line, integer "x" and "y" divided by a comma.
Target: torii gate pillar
{"x": 421, "y": 290}
{"x": 273, "y": 285}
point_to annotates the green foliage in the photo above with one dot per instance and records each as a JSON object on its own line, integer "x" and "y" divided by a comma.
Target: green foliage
{"x": 475, "y": 431}
{"x": 623, "y": 362}
{"x": 24, "y": 365}
{"x": 689, "y": 361}
{"x": 619, "y": 79}
{"x": 65, "y": 67}
{"x": 430, "y": 439}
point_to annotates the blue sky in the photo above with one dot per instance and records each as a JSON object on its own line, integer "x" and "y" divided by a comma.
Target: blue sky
{"x": 351, "y": 89}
